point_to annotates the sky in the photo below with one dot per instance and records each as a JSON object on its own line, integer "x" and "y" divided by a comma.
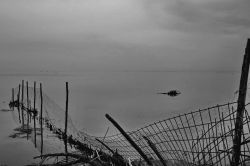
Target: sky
{"x": 60, "y": 36}
{"x": 122, "y": 35}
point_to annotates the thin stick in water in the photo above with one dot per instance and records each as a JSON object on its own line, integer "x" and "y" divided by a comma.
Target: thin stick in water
{"x": 34, "y": 114}
{"x": 41, "y": 116}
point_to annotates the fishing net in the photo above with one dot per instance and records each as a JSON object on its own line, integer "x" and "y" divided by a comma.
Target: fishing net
{"x": 53, "y": 122}
{"x": 199, "y": 137}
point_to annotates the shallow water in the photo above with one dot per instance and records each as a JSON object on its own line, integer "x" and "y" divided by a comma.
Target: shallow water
{"x": 130, "y": 97}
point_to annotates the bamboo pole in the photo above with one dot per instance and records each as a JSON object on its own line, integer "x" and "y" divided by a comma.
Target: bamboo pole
{"x": 152, "y": 146}
{"x": 18, "y": 94}
{"x": 34, "y": 115}
{"x": 13, "y": 98}
{"x": 66, "y": 110}
{"x": 27, "y": 88}
{"x": 18, "y": 99}
{"x": 22, "y": 103}
{"x": 41, "y": 117}
{"x": 66, "y": 120}
{"x": 104, "y": 137}
{"x": 241, "y": 107}
{"x": 106, "y": 146}
{"x": 129, "y": 139}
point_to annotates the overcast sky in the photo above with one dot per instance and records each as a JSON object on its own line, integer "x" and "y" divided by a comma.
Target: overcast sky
{"x": 118, "y": 35}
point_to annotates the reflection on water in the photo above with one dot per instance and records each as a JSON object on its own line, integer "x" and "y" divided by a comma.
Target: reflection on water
{"x": 21, "y": 132}
{"x": 130, "y": 97}
{"x": 5, "y": 110}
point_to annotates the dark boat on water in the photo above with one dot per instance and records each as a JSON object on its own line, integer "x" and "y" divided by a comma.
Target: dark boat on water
{"x": 171, "y": 93}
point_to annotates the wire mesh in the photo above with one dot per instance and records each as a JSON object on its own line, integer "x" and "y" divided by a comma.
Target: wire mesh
{"x": 202, "y": 137}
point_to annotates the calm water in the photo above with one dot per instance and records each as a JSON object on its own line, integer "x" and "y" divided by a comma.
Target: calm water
{"x": 130, "y": 97}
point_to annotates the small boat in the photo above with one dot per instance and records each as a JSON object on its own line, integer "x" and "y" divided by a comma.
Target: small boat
{"x": 171, "y": 93}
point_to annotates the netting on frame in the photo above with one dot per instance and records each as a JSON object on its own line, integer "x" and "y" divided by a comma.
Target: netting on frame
{"x": 203, "y": 137}
{"x": 53, "y": 118}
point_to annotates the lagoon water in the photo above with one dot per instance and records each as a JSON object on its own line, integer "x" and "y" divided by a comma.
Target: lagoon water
{"x": 129, "y": 97}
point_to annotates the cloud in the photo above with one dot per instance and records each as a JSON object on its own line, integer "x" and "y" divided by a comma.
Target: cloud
{"x": 56, "y": 17}
{"x": 122, "y": 34}
{"x": 220, "y": 16}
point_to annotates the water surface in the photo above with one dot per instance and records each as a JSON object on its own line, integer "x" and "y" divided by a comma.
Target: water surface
{"x": 130, "y": 97}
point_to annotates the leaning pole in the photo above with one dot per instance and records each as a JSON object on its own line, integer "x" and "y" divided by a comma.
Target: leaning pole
{"x": 241, "y": 107}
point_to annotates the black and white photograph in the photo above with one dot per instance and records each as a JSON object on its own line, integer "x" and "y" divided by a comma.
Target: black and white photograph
{"x": 124, "y": 83}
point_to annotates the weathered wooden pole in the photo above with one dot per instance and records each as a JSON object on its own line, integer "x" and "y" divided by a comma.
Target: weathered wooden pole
{"x": 129, "y": 139}
{"x": 66, "y": 109}
{"x": 34, "y": 114}
{"x": 241, "y": 107}
{"x": 18, "y": 99}
{"x": 27, "y": 87}
{"x": 104, "y": 137}
{"x": 18, "y": 94}
{"x": 13, "y": 98}
{"x": 41, "y": 117}
{"x": 66, "y": 119}
{"x": 22, "y": 103}
{"x": 27, "y": 94}
{"x": 106, "y": 146}
{"x": 152, "y": 146}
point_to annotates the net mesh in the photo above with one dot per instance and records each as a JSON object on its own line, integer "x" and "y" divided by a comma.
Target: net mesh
{"x": 202, "y": 137}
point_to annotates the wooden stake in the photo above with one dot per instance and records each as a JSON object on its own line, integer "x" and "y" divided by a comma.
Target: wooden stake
{"x": 18, "y": 99}
{"x": 152, "y": 146}
{"x": 241, "y": 107}
{"x": 106, "y": 146}
{"x": 34, "y": 115}
{"x": 27, "y": 86}
{"x": 129, "y": 139}
{"x": 66, "y": 120}
{"x": 41, "y": 117}
{"x": 22, "y": 103}
{"x": 104, "y": 137}
{"x": 13, "y": 98}
{"x": 66, "y": 110}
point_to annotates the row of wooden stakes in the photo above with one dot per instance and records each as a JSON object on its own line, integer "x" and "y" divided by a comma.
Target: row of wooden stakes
{"x": 83, "y": 148}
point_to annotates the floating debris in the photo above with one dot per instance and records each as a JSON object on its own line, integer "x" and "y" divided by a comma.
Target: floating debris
{"x": 21, "y": 132}
{"x": 5, "y": 110}
{"x": 171, "y": 93}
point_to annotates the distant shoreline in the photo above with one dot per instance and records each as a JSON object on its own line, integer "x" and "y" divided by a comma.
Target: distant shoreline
{"x": 80, "y": 73}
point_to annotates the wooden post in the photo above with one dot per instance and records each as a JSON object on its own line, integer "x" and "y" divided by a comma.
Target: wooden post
{"x": 34, "y": 115}
{"x": 18, "y": 99}
{"x": 22, "y": 103}
{"x": 18, "y": 94}
{"x": 104, "y": 137}
{"x": 27, "y": 88}
{"x": 66, "y": 110}
{"x": 241, "y": 107}
{"x": 13, "y": 98}
{"x": 137, "y": 148}
{"x": 152, "y": 146}
{"x": 66, "y": 119}
{"x": 106, "y": 146}
{"x": 41, "y": 117}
